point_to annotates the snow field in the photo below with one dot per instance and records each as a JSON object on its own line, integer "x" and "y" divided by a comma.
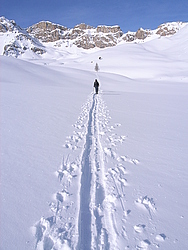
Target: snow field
{"x": 122, "y": 179}
{"x": 96, "y": 216}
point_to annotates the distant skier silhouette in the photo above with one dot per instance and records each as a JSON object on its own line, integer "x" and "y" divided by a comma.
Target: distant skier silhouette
{"x": 96, "y": 86}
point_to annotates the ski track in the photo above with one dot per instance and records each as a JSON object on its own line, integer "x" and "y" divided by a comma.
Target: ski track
{"x": 90, "y": 210}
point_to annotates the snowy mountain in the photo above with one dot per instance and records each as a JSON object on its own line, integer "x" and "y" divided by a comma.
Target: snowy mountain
{"x": 33, "y": 40}
{"x": 16, "y": 41}
{"x": 82, "y": 171}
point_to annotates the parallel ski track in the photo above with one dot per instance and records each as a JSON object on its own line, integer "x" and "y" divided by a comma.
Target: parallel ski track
{"x": 90, "y": 211}
{"x": 84, "y": 241}
{"x": 95, "y": 221}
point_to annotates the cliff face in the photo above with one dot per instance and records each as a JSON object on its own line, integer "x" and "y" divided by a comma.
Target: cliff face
{"x": 85, "y": 36}
{"x": 46, "y": 31}
{"x": 82, "y": 35}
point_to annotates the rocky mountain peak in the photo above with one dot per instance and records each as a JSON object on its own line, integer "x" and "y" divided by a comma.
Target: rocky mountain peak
{"x": 8, "y": 25}
{"x": 82, "y": 35}
{"x": 83, "y": 26}
{"x": 109, "y": 29}
{"x": 169, "y": 28}
{"x": 46, "y": 31}
{"x": 17, "y": 40}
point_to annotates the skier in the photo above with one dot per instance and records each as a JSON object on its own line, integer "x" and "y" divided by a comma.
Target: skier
{"x": 96, "y": 86}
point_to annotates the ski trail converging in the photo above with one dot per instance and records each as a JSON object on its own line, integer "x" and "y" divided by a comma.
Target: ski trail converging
{"x": 102, "y": 210}
{"x": 93, "y": 230}
{"x": 84, "y": 213}
{"x": 91, "y": 211}
{"x": 84, "y": 210}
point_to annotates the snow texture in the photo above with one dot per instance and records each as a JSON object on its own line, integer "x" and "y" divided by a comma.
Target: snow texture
{"x": 85, "y": 171}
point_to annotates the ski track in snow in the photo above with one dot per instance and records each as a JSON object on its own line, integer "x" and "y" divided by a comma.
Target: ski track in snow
{"x": 90, "y": 210}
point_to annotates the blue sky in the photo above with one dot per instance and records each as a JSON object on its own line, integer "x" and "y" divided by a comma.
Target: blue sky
{"x": 128, "y": 14}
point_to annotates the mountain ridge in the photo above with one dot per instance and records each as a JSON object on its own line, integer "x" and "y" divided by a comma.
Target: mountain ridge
{"x": 16, "y": 41}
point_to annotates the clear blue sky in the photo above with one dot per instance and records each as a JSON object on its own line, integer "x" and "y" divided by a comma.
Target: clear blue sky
{"x": 128, "y": 14}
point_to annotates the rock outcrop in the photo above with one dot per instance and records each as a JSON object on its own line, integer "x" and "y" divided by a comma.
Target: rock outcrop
{"x": 167, "y": 29}
{"x": 46, "y": 31}
{"x": 82, "y": 35}
{"x": 8, "y": 25}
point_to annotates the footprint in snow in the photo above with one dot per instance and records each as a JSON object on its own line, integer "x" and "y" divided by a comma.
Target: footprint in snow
{"x": 160, "y": 237}
{"x": 70, "y": 146}
{"x": 139, "y": 228}
{"x": 127, "y": 159}
{"x": 147, "y": 203}
{"x": 110, "y": 153}
{"x": 144, "y": 244}
{"x": 127, "y": 212}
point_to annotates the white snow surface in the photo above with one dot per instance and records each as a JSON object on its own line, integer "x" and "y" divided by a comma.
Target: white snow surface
{"x": 85, "y": 171}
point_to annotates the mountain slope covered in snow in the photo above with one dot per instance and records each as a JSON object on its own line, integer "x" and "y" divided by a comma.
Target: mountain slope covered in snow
{"x": 86, "y": 171}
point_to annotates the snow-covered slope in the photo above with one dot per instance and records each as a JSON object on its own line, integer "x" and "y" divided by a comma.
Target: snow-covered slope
{"x": 84, "y": 171}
